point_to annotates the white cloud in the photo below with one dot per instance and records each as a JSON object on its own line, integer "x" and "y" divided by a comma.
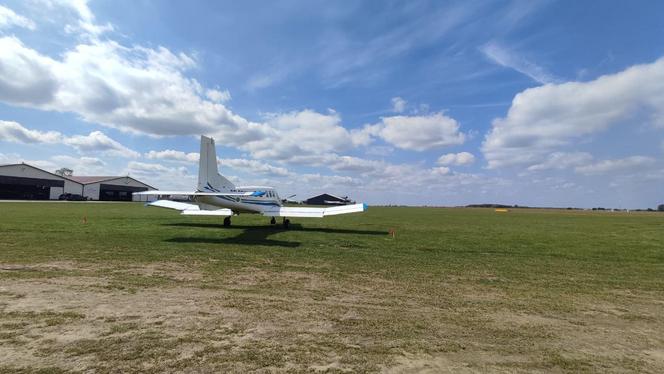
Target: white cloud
{"x": 379, "y": 150}
{"x": 173, "y": 155}
{"x": 134, "y": 89}
{"x": 418, "y": 133}
{"x": 544, "y": 118}
{"x": 86, "y": 22}
{"x": 301, "y": 133}
{"x": 510, "y": 59}
{"x": 563, "y": 160}
{"x": 355, "y": 164}
{"x": 240, "y": 164}
{"x": 9, "y": 158}
{"x": 9, "y": 18}
{"x": 94, "y": 142}
{"x": 398, "y": 104}
{"x": 255, "y": 167}
{"x": 97, "y": 141}
{"x": 90, "y": 161}
{"x": 441, "y": 170}
{"x": 82, "y": 165}
{"x": 218, "y": 96}
{"x": 458, "y": 159}
{"x": 14, "y": 132}
{"x": 152, "y": 169}
{"x": 629, "y": 164}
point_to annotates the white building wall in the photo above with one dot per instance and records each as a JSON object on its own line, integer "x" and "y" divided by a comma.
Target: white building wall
{"x": 91, "y": 191}
{"x": 70, "y": 187}
{"x": 73, "y": 187}
{"x": 55, "y": 193}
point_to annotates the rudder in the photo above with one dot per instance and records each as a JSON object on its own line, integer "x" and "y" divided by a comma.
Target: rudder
{"x": 209, "y": 178}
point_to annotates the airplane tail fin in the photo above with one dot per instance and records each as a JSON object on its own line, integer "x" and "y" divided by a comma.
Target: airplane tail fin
{"x": 209, "y": 179}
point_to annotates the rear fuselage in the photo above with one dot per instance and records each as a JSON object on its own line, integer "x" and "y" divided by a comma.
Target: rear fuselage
{"x": 264, "y": 198}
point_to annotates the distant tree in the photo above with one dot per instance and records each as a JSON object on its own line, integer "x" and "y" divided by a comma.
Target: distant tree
{"x": 65, "y": 172}
{"x": 660, "y": 207}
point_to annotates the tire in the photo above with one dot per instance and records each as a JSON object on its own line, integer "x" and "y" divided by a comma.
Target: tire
{"x": 227, "y": 221}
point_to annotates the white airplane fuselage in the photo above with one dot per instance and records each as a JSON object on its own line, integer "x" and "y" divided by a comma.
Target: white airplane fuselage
{"x": 266, "y": 199}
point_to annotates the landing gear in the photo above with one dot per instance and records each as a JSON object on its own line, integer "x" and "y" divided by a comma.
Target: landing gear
{"x": 273, "y": 221}
{"x": 286, "y": 223}
{"x": 227, "y": 221}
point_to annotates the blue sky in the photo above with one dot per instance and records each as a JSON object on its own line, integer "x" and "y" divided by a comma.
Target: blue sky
{"x": 549, "y": 103}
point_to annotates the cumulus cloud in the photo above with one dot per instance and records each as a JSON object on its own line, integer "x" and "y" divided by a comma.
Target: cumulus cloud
{"x": 8, "y": 18}
{"x": 218, "y": 96}
{"x": 14, "y": 132}
{"x": 172, "y": 155}
{"x": 97, "y": 141}
{"x": 145, "y": 91}
{"x": 398, "y": 104}
{"x": 94, "y": 142}
{"x": 89, "y": 161}
{"x": 134, "y": 89}
{"x": 628, "y": 164}
{"x": 240, "y": 164}
{"x": 562, "y": 160}
{"x": 457, "y": 159}
{"x": 9, "y": 158}
{"x": 255, "y": 167}
{"x": 418, "y": 133}
{"x": 302, "y": 133}
{"x": 545, "y": 118}
{"x": 152, "y": 169}
{"x": 82, "y": 165}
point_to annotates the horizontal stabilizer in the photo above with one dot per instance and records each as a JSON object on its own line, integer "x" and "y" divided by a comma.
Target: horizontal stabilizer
{"x": 217, "y": 212}
{"x": 287, "y": 211}
{"x": 344, "y": 209}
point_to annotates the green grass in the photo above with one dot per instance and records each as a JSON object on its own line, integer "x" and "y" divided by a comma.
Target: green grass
{"x": 519, "y": 291}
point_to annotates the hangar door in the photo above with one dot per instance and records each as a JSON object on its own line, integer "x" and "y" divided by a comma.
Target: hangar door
{"x": 111, "y": 192}
{"x": 19, "y": 188}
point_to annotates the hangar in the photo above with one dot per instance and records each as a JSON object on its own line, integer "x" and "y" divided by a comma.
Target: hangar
{"x": 111, "y": 188}
{"x": 328, "y": 199}
{"x": 27, "y": 182}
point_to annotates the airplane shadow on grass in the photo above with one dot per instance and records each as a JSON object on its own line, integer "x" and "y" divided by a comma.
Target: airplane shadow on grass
{"x": 258, "y": 235}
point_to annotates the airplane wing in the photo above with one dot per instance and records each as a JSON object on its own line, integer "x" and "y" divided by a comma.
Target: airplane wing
{"x": 189, "y": 209}
{"x": 288, "y": 211}
{"x": 196, "y": 193}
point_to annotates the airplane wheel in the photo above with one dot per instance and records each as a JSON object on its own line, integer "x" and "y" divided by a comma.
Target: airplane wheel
{"x": 227, "y": 221}
{"x": 273, "y": 221}
{"x": 286, "y": 223}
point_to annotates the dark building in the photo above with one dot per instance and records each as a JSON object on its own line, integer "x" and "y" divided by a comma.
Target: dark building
{"x": 327, "y": 199}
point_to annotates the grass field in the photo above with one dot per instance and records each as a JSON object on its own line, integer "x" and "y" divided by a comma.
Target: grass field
{"x": 457, "y": 290}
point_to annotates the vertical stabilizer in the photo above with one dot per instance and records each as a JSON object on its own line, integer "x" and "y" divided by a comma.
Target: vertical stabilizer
{"x": 209, "y": 179}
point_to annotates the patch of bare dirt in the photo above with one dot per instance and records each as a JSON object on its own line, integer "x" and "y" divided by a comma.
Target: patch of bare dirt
{"x": 257, "y": 319}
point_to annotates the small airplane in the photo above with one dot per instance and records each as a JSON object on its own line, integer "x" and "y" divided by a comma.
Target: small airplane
{"x": 217, "y": 196}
